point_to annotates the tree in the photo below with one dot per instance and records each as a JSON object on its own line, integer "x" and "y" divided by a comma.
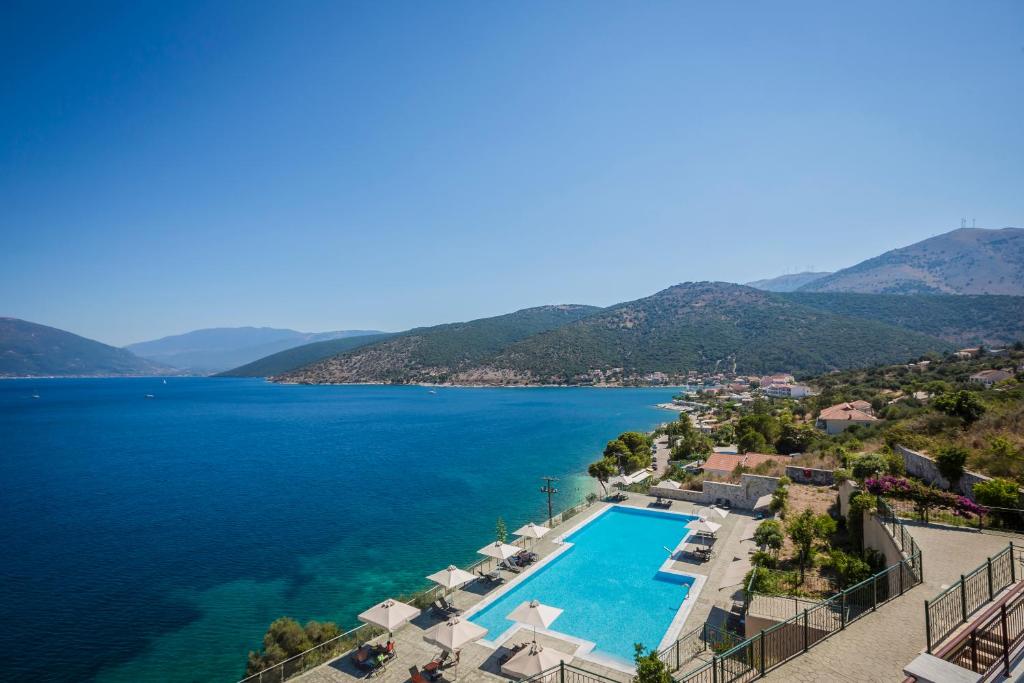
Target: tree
{"x": 286, "y": 638}
{"x": 769, "y": 535}
{"x": 805, "y": 530}
{"x": 649, "y": 667}
{"x": 997, "y": 493}
{"x": 751, "y": 441}
{"x": 603, "y": 470}
{"x": 963, "y": 404}
{"x": 951, "y": 461}
{"x": 796, "y": 438}
{"x": 869, "y": 465}
{"x": 500, "y": 531}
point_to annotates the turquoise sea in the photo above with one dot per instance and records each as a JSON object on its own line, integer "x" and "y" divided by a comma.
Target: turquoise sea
{"x": 155, "y": 539}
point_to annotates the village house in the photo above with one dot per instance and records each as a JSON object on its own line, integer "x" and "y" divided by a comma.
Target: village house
{"x": 723, "y": 464}
{"x": 787, "y": 390}
{"x": 842, "y": 416}
{"x": 989, "y": 377}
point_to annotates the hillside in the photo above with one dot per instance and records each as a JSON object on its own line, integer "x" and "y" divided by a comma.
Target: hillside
{"x": 964, "y": 320}
{"x": 965, "y": 261}
{"x": 31, "y": 350}
{"x": 694, "y": 326}
{"x": 300, "y": 356}
{"x": 787, "y": 283}
{"x": 436, "y": 354}
{"x": 219, "y": 348}
{"x": 704, "y": 326}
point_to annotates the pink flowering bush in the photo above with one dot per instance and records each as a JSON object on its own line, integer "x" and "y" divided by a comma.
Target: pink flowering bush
{"x": 923, "y": 497}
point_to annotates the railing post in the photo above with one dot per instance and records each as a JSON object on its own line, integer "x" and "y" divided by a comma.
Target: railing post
{"x": 763, "y": 657}
{"x": 974, "y": 651}
{"x": 963, "y": 600}
{"x": 561, "y": 671}
{"x": 899, "y": 568}
{"x": 988, "y": 564}
{"x": 714, "y": 669}
{"x": 1013, "y": 567}
{"x": 842, "y": 610}
{"x": 874, "y": 593}
{"x": 806, "y": 640}
{"x": 927, "y": 627}
{"x": 677, "y": 655}
{"x": 1006, "y": 639}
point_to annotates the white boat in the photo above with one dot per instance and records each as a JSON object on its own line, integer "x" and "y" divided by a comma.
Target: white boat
{"x": 150, "y": 396}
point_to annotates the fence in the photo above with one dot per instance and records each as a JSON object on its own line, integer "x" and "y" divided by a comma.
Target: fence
{"x": 567, "y": 673}
{"x": 701, "y": 639}
{"x": 944, "y": 613}
{"x": 777, "y": 644}
{"x": 991, "y": 645}
{"x": 1008, "y": 519}
{"x": 339, "y": 645}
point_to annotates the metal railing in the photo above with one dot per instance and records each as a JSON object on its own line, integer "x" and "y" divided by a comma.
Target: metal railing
{"x": 341, "y": 644}
{"x": 993, "y": 518}
{"x": 989, "y": 647}
{"x": 567, "y": 673}
{"x": 685, "y": 648}
{"x": 779, "y": 643}
{"x": 954, "y": 606}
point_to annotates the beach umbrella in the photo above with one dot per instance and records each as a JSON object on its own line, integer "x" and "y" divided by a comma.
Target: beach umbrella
{"x": 533, "y": 660}
{"x": 452, "y": 577}
{"x": 531, "y": 530}
{"x": 703, "y": 526}
{"x": 499, "y": 550}
{"x": 535, "y": 614}
{"x": 454, "y": 634}
{"x": 389, "y": 614}
{"x": 669, "y": 484}
{"x": 706, "y": 512}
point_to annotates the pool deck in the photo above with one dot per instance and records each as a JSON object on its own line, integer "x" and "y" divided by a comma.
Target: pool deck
{"x": 478, "y": 663}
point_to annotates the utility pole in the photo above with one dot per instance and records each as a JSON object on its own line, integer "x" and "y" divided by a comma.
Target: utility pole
{"x": 550, "y": 490}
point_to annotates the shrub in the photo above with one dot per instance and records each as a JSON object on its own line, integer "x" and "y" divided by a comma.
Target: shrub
{"x": 769, "y": 535}
{"x": 950, "y": 462}
{"x": 649, "y": 667}
{"x": 1000, "y": 493}
{"x": 286, "y": 638}
{"x": 842, "y": 474}
{"x": 850, "y": 568}
{"x": 805, "y": 530}
{"x": 963, "y": 404}
{"x": 869, "y": 465}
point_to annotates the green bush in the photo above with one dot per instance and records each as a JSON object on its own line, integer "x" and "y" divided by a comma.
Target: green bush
{"x": 999, "y": 493}
{"x": 769, "y": 534}
{"x": 649, "y": 667}
{"x": 850, "y": 568}
{"x": 286, "y": 638}
{"x": 951, "y": 461}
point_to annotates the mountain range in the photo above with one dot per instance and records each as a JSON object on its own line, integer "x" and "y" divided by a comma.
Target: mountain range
{"x": 215, "y": 349}
{"x": 787, "y": 283}
{"x": 692, "y": 326}
{"x": 32, "y": 350}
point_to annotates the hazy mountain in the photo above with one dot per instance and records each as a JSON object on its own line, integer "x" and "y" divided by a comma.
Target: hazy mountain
{"x": 32, "y": 350}
{"x": 961, "y": 319}
{"x": 965, "y": 261}
{"x": 693, "y": 326}
{"x": 787, "y": 283}
{"x": 300, "y": 356}
{"x": 434, "y": 354}
{"x": 220, "y": 348}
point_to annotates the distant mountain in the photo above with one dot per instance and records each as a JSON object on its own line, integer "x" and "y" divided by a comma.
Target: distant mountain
{"x": 33, "y": 350}
{"x": 965, "y": 261}
{"x": 216, "y": 349}
{"x": 436, "y": 354}
{"x": 293, "y": 359}
{"x": 964, "y": 320}
{"x": 787, "y": 283}
{"x": 693, "y": 326}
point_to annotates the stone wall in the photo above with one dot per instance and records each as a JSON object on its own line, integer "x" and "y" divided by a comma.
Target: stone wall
{"x": 877, "y": 536}
{"x": 807, "y": 475}
{"x": 742, "y": 496}
{"x": 924, "y": 468}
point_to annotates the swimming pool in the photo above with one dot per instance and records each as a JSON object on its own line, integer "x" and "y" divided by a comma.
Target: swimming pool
{"x": 610, "y": 580}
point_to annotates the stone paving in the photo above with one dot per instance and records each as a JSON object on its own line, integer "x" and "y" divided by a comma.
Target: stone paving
{"x": 878, "y": 646}
{"x": 478, "y": 663}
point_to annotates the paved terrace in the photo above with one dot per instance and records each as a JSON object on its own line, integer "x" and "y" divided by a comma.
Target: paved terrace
{"x": 479, "y": 664}
{"x": 877, "y": 646}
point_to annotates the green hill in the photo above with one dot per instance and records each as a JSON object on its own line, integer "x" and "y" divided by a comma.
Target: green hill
{"x": 292, "y": 359}
{"x": 31, "y": 350}
{"x": 964, "y": 320}
{"x": 437, "y": 354}
{"x": 708, "y": 326}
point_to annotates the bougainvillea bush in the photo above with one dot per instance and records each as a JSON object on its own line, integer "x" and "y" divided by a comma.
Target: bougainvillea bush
{"x": 924, "y": 497}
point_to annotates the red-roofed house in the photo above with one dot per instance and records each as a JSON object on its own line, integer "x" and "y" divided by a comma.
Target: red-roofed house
{"x": 724, "y": 463}
{"x": 841, "y": 416}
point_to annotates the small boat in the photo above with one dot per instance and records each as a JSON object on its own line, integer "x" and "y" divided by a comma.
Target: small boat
{"x": 35, "y": 395}
{"x": 165, "y": 381}
{"x": 433, "y": 391}
{"x": 150, "y": 396}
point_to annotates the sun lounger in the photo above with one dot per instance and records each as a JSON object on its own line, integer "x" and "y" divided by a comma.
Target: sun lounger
{"x": 491, "y": 576}
{"x": 509, "y": 567}
{"x": 525, "y": 558}
{"x": 444, "y": 609}
{"x": 511, "y": 652}
{"x": 415, "y": 676}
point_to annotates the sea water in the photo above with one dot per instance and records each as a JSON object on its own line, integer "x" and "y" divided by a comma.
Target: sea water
{"x": 155, "y": 539}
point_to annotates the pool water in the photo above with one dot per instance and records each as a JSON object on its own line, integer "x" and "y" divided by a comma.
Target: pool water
{"x": 609, "y": 583}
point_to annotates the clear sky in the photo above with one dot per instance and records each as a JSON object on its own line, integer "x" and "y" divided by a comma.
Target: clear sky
{"x": 166, "y": 166}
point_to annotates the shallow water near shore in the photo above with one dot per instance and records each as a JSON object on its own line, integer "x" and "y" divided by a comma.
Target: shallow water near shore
{"x": 155, "y": 539}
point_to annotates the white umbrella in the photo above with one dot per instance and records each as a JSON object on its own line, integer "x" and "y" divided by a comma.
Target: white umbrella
{"x": 705, "y": 512}
{"x": 454, "y": 634}
{"x": 452, "y": 577}
{"x": 703, "y": 526}
{"x": 389, "y": 614}
{"x": 669, "y": 484}
{"x": 534, "y": 614}
{"x": 533, "y": 660}
{"x": 532, "y": 530}
{"x": 499, "y": 550}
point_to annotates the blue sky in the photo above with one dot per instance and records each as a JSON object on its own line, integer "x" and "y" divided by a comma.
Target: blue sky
{"x": 169, "y": 166}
